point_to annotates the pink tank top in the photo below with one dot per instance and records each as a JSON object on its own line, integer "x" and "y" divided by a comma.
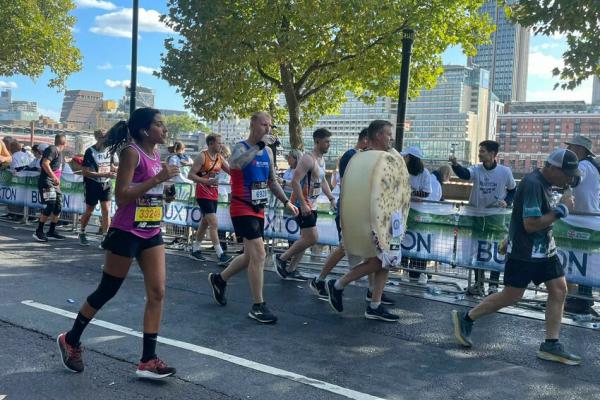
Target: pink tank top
{"x": 142, "y": 216}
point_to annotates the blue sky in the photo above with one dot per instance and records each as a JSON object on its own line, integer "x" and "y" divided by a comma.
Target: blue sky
{"x": 103, "y": 32}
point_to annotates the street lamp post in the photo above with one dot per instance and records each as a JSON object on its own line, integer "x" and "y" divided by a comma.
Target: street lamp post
{"x": 408, "y": 36}
{"x": 134, "y": 39}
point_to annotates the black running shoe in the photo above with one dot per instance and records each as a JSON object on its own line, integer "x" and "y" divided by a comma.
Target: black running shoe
{"x": 197, "y": 254}
{"x": 280, "y": 266}
{"x": 380, "y": 313}
{"x": 224, "y": 260}
{"x": 154, "y": 369}
{"x": 218, "y": 286}
{"x": 262, "y": 314}
{"x": 83, "y": 239}
{"x": 462, "y": 328}
{"x": 295, "y": 276}
{"x": 40, "y": 236}
{"x": 557, "y": 353}
{"x": 318, "y": 287}
{"x": 55, "y": 236}
{"x": 334, "y": 296}
{"x": 70, "y": 356}
{"x": 384, "y": 299}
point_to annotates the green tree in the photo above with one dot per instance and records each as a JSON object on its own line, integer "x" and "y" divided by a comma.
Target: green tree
{"x": 240, "y": 55}
{"x": 579, "y": 21}
{"x": 182, "y": 123}
{"x": 37, "y": 34}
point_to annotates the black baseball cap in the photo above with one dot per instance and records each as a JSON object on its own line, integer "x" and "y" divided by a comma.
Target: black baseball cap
{"x": 565, "y": 160}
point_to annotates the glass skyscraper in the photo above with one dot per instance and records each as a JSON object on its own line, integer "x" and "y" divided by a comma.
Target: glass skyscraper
{"x": 506, "y": 57}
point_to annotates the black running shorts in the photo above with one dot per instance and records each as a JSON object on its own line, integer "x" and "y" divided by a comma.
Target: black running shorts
{"x": 518, "y": 273}
{"x": 96, "y": 192}
{"x": 126, "y": 244}
{"x": 248, "y": 227}
{"x": 307, "y": 221}
{"x": 207, "y": 206}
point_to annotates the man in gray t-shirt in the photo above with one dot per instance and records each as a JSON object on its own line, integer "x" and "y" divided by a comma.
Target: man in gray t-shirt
{"x": 493, "y": 186}
{"x": 531, "y": 255}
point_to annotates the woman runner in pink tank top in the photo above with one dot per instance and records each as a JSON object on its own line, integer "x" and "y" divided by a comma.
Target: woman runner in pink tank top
{"x": 134, "y": 232}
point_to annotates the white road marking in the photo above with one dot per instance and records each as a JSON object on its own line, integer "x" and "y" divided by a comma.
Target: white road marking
{"x": 267, "y": 369}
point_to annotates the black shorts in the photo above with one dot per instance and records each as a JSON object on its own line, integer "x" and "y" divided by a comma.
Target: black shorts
{"x": 126, "y": 244}
{"x": 248, "y": 227}
{"x": 207, "y": 206}
{"x": 43, "y": 193}
{"x": 518, "y": 273}
{"x": 307, "y": 221}
{"x": 96, "y": 192}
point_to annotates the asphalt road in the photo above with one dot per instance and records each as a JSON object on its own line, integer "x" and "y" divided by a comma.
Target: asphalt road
{"x": 311, "y": 353}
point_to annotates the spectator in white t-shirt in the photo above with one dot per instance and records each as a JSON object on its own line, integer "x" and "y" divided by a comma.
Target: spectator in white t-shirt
{"x": 20, "y": 158}
{"x": 442, "y": 176}
{"x": 587, "y": 199}
{"x": 292, "y": 159}
{"x": 493, "y": 186}
{"x": 420, "y": 184}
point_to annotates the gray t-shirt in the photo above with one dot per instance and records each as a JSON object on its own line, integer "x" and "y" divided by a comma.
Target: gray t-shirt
{"x": 531, "y": 200}
{"x": 489, "y": 186}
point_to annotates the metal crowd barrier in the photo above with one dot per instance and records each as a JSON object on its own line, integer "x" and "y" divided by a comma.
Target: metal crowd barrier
{"x": 440, "y": 250}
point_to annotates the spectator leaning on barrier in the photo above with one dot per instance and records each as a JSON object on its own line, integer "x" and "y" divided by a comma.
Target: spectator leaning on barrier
{"x": 532, "y": 255}
{"x": 97, "y": 169}
{"x": 49, "y": 189}
{"x": 178, "y": 156}
{"x": 587, "y": 199}
{"x": 493, "y": 186}
{"x": 37, "y": 151}
{"x": 20, "y": 159}
{"x": 292, "y": 158}
{"x": 442, "y": 176}
{"x": 421, "y": 186}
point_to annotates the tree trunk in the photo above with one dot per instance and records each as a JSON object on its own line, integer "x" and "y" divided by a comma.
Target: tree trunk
{"x": 293, "y": 106}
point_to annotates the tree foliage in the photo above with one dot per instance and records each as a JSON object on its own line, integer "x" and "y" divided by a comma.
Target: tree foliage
{"x": 579, "y": 21}
{"x": 241, "y": 55}
{"x": 182, "y": 123}
{"x": 37, "y": 34}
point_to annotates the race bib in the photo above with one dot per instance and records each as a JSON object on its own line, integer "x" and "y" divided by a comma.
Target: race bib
{"x": 315, "y": 190}
{"x": 259, "y": 193}
{"x": 104, "y": 169}
{"x": 49, "y": 194}
{"x": 149, "y": 209}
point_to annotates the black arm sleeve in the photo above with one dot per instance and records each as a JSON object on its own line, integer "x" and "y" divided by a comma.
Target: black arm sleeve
{"x": 461, "y": 172}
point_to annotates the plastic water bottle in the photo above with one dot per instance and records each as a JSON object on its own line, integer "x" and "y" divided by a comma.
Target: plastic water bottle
{"x": 459, "y": 297}
{"x": 582, "y": 317}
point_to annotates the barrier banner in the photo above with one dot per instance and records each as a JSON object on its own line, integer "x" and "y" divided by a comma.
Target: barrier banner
{"x": 479, "y": 234}
{"x": 462, "y": 236}
{"x": 430, "y": 232}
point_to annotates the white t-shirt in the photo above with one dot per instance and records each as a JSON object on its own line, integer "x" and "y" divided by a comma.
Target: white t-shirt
{"x": 436, "y": 190}
{"x": 287, "y": 180}
{"x": 421, "y": 182}
{"x": 20, "y": 159}
{"x": 587, "y": 193}
{"x": 489, "y": 186}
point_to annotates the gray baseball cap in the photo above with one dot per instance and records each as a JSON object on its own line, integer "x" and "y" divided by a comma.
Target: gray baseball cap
{"x": 565, "y": 160}
{"x": 582, "y": 141}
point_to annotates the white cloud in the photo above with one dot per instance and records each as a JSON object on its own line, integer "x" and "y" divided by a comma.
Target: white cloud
{"x": 144, "y": 70}
{"x": 106, "y": 65}
{"x": 8, "y": 85}
{"x": 118, "y": 23}
{"x": 541, "y": 65}
{"x": 104, "y": 5}
{"x": 545, "y": 46}
{"x": 115, "y": 84}
{"x": 47, "y": 112}
{"x": 75, "y": 29}
{"x": 582, "y": 92}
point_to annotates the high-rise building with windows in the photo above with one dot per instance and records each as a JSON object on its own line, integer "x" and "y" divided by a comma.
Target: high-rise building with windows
{"x": 452, "y": 117}
{"x": 144, "y": 97}
{"x": 80, "y": 107}
{"x": 506, "y": 57}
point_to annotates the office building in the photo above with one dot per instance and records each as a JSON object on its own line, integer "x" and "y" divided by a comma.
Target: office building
{"x": 80, "y": 107}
